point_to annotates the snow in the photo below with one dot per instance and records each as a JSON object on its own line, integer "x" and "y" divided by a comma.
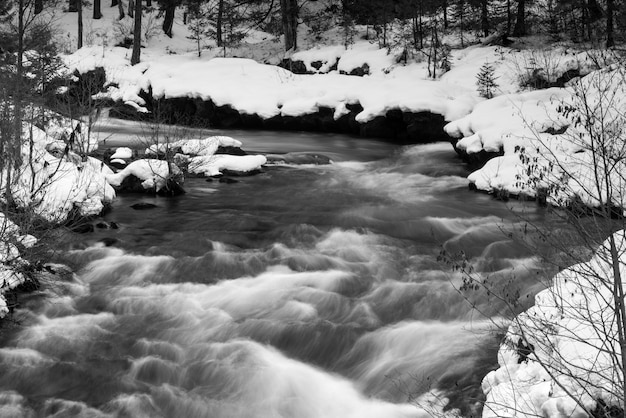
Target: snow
{"x": 123, "y": 153}
{"x": 207, "y": 146}
{"x": 327, "y": 55}
{"x": 118, "y": 161}
{"x": 58, "y": 180}
{"x": 213, "y": 165}
{"x": 572, "y": 329}
{"x": 268, "y": 91}
{"x": 547, "y": 145}
{"x": 152, "y": 173}
{"x": 378, "y": 60}
{"x": 10, "y": 260}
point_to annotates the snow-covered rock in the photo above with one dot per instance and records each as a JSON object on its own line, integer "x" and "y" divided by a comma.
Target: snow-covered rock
{"x": 123, "y": 153}
{"x": 206, "y": 146}
{"x": 213, "y": 165}
{"x": 153, "y": 174}
{"x": 10, "y": 259}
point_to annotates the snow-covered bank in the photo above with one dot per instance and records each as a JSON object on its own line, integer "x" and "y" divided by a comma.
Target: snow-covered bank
{"x": 269, "y": 93}
{"x": 566, "y": 142}
{"x": 52, "y": 180}
{"x": 11, "y": 262}
{"x": 562, "y": 356}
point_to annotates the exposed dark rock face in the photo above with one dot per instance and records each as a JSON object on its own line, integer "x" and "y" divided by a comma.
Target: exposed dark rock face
{"x": 359, "y": 71}
{"x": 476, "y": 160}
{"x": 398, "y": 126}
{"x": 296, "y": 67}
{"x": 299, "y": 67}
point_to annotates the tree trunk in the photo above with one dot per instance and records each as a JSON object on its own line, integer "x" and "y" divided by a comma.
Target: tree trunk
{"x": 97, "y": 12}
{"x": 462, "y": 21}
{"x": 120, "y": 8}
{"x": 484, "y": 17}
{"x": 16, "y": 139}
{"x": 421, "y": 24}
{"x": 509, "y": 17}
{"x": 80, "y": 23}
{"x": 168, "y": 20}
{"x": 131, "y": 8}
{"x": 610, "y": 8}
{"x": 219, "y": 23}
{"x": 520, "y": 22}
{"x": 38, "y": 6}
{"x": 134, "y": 59}
{"x": 289, "y": 12}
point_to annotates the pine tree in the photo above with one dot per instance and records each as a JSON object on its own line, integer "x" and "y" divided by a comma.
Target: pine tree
{"x": 486, "y": 81}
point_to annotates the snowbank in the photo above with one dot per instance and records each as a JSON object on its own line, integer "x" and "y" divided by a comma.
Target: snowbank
{"x": 265, "y": 90}
{"x": 57, "y": 181}
{"x": 10, "y": 260}
{"x": 558, "y": 140}
{"x": 560, "y": 356}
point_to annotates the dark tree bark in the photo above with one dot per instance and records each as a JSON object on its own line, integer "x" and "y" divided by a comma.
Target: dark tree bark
{"x": 135, "y": 57}
{"x": 120, "y": 8}
{"x": 97, "y": 12}
{"x": 520, "y": 22}
{"x": 289, "y": 12}
{"x": 168, "y": 20}
{"x": 509, "y": 17}
{"x": 610, "y": 9}
{"x": 484, "y": 17}
{"x": 79, "y": 4}
{"x": 218, "y": 24}
{"x": 38, "y": 6}
{"x": 131, "y": 8}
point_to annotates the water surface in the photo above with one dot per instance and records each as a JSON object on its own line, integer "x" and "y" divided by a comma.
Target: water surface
{"x": 303, "y": 291}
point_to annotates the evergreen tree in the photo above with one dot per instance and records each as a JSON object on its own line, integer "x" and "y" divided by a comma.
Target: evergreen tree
{"x": 486, "y": 81}
{"x": 199, "y": 24}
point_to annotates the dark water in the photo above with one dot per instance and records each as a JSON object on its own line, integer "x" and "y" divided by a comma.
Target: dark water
{"x": 309, "y": 291}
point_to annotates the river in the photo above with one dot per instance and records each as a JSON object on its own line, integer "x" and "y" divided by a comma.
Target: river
{"x": 303, "y": 291}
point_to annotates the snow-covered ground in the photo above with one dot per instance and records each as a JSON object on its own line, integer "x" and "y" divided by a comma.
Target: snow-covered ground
{"x": 568, "y": 142}
{"x": 573, "y": 356}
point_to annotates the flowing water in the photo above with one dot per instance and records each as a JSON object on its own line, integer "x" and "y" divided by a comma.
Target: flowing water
{"x": 303, "y": 291}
